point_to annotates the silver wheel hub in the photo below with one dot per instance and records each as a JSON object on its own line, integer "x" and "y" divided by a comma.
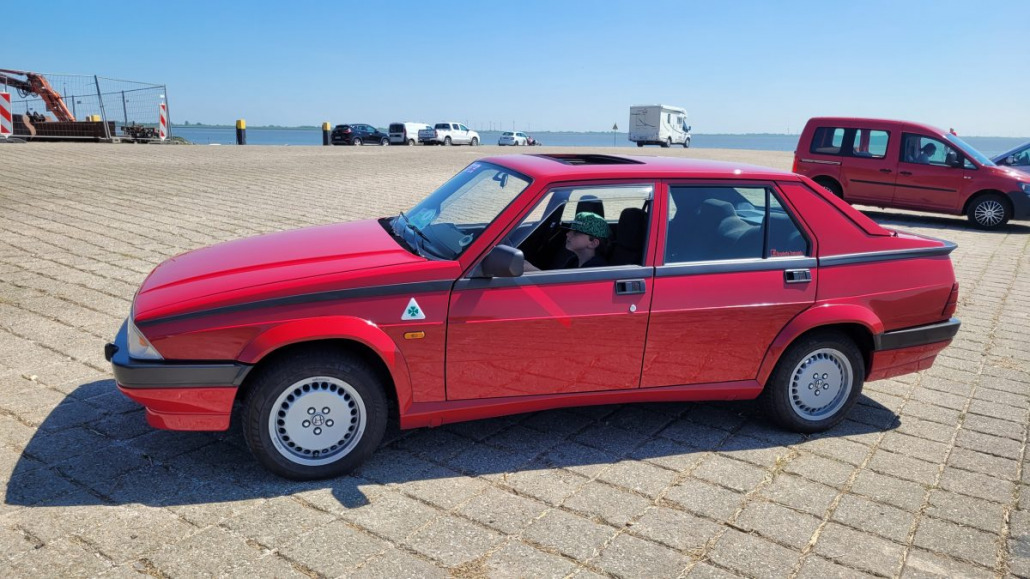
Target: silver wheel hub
{"x": 820, "y": 384}
{"x": 989, "y": 213}
{"x": 317, "y": 421}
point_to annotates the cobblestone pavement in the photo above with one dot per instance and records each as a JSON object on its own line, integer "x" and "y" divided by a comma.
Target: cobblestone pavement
{"x": 926, "y": 478}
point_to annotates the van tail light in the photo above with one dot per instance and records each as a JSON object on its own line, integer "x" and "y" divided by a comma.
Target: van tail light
{"x": 949, "y": 308}
{"x": 794, "y": 167}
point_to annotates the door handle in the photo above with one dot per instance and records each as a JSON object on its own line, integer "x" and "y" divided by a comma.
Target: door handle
{"x": 905, "y": 173}
{"x": 886, "y": 171}
{"x": 630, "y": 286}
{"x": 797, "y": 275}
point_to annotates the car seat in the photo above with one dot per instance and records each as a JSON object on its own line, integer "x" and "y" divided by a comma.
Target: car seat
{"x": 628, "y": 247}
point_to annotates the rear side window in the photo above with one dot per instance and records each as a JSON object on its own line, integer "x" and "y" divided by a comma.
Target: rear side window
{"x": 442, "y": 126}
{"x": 718, "y": 223}
{"x": 870, "y": 143}
{"x": 827, "y": 141}
{"x": 395, "y": 128}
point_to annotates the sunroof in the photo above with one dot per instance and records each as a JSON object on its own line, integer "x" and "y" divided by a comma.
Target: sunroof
{"x": 576, "y": 159}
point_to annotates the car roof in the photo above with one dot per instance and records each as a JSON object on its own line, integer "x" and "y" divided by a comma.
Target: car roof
{"x": 881, "y": 122}
{"x": 558, "y": 167}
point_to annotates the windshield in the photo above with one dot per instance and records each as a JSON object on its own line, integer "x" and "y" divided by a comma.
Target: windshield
{"x": 965, "y": 148}
{"x": 444, "y": 224}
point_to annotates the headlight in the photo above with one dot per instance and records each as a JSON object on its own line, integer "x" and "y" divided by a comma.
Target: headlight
{"x": 1026, "y": 187}
{"x": 139, "y": 347}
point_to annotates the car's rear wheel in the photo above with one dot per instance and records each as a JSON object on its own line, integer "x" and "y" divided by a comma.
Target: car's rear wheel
{"x": 475, "y": 142}
{"x": 356, "y": 142}
{"x": 384, "y": 142}
{"x": 447, "y": 141}
{"x": 315, "y": 415}
{"x": 817, "y": 380}
{"x": 411, "y": 142}
{"x": 831, "y": 186}
{"x": 989, "y": 211}
{"x": 640, "y": 144}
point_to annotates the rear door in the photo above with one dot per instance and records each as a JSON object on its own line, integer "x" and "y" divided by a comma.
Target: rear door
{"x": 734, "y": 267}
{"x": 869, "y": 173}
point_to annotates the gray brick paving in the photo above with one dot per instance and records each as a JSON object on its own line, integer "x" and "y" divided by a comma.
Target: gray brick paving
{"x": 926, "y": 478}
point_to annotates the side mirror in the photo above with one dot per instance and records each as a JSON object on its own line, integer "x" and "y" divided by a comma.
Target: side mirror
{"x": 503, "y": 261}
{"x": 953, "y": 159}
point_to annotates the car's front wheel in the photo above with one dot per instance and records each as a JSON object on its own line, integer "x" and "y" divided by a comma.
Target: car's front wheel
{"x": 411, "y": 142}
{"x": 817, "y": 380}
{"x": 475, "y": 142}
{"x": 315, "y": 415}
{"x": 989, "y": 211}
{"x": 686, "y": 143}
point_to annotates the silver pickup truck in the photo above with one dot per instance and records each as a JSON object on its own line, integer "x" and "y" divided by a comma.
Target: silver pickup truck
{"x": 448, "y": 134}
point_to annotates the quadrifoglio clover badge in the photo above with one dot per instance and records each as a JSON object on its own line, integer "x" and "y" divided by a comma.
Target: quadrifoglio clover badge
{"x": 413, "y": 311}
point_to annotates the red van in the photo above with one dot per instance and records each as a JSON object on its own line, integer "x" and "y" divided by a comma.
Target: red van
{"x": 910, "y": 166}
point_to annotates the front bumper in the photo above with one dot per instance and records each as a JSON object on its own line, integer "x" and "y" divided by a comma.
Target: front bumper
{"x": 177, "y": 395}
{"x": 1020, "y": 205}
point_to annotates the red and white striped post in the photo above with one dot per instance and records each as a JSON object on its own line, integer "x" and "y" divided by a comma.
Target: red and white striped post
{"x": 6, "y": 120}
{"x": 162, "y": 130}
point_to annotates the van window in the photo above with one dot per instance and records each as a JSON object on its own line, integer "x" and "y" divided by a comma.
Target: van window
{"x": 870, "y": 143}
{"x": 827, "y": 141}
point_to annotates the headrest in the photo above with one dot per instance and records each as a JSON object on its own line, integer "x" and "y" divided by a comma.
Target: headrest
{"x": 632, "y": 227}
{"x": 590, "y": 205}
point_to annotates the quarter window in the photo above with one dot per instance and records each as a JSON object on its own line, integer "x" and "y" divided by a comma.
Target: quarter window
{"x": 720, "y": 223}
{"x": 827, "y": 141}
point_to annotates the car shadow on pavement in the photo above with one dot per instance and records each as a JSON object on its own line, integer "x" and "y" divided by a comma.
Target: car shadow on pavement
{"x": 95, "y": 448}
{"x": 888, "y": 219}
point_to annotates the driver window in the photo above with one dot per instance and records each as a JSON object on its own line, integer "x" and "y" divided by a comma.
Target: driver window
{"x": 575, "y": 227}
{"x": 928, "y": 151}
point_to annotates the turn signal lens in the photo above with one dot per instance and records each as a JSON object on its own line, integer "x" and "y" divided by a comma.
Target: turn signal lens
{"x": 139, "y": 347}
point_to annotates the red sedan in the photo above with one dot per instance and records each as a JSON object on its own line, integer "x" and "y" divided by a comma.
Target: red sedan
{"x": 529, "y": 282}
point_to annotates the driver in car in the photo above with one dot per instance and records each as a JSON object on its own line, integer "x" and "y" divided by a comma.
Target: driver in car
{"x": 587, "y": 238}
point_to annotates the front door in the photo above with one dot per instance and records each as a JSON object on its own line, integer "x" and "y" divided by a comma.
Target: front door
{"x": 561, "y": 329}
{"x": 930, "y": 174}
{"x": 727, "y": 286}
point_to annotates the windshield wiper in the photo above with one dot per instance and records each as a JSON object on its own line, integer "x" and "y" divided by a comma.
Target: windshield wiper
{"x": 415, "y": 229}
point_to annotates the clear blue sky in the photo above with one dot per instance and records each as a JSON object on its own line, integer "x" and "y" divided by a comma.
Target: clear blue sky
{"x": 737, "y": 67}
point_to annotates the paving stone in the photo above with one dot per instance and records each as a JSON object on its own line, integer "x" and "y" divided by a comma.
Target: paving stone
{"x": 923, "y": 564}
{"x": 614, "y": 506}
{"x": 958, "y": 541}
{"x": 819, "y": 469}
{"x": 995, "y": 426}
{"x": 610, "y": 439}
{"x": 334, "y": 549}
{"x": 778, "y": 523}
{"x": 435, "y": 444}
{"x": 696, "y": 435}
{"x": 522, "y": 439}
{"x": 861, "y": 551}
{"x": 1015, "y": 414}
{"x": 570, "y": 535}
{"x": 977, "y": 485}
{"x": 838, "y": 449}
{"x": 928, "y": 450}
{"x": 752, "y": 556}
{"x": 639, "y": 477}
{"x": 706, "y": 571}
{"x": 800, "y": 494}
{"x": 392, "y": 516}
{"x": 938, "y": 397}
{"x": 517, "y": 559}
{"x": 636, "y": 418}
{"x": 551, "y": 486}
{"x": 557, "y": 422}
{"x": 668, "y": 454}
{"x": 62, "y": 558}
{"x": 504, "y": 511}
{"x": 733, "y": 474}
{"x": 929, "y": 430}
{"x": 930, "y": 412}
{"x": 816, "y": 567}
{"x": 679, "y": 530}
{"x": 903, "y": 467}
{"x": 872, "y": 517}
{"x": 885, "y": 489}
{"x": 628, "y": 556}
{"x": 705, "y": 499}
{"x": 580, "y": 459}
{"x": 128, "y": 534}
{"x": 443, "y": 487}
{"x": 453, "y": 541}
{"x": 965, "y": 510}
{"x": 993, "y": 445}
{"x": 976, "y": 461}
{"x": 398, "y": 564}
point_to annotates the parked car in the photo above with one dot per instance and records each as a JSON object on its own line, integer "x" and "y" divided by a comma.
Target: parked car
{"x": 405, "y": 133}
{"x": 1018, "y": 158}
{"x": 358, "y": 134}
{"x": 721, "y": 281}
{"x": 514, "y": 139}
{"x": 910, "y": 166}
{"x": 448, "y": 134}
{"x": 660, "y": 125}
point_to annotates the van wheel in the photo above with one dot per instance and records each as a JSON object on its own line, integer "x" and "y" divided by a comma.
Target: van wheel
{"x": 815, "y": 383}
{"x": 989, "y": 211}
{"x": 667, "y": 143}
{"x": 640, "y": 144}
{"x": 315, "y": 415}
{"x": 411, "y": 142}
{"x": 686, "y": 143}
{"x": 832, "y": 187}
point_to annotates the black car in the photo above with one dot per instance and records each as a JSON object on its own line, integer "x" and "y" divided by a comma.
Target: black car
{"x": 358, "y": 134}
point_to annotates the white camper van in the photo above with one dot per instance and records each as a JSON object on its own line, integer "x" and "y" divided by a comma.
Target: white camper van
{"x": 658, "y": 125}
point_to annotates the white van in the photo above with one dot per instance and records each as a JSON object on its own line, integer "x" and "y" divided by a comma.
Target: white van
{"x": 405, "y": 133}
{"x": 658, "y": 125}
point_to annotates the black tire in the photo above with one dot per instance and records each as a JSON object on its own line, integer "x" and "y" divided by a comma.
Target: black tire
{"x": 356, "y": 142}
{"x": 838, "y": 372}
{"x": 686, "y": 143}
{"x": 832, "y": 187}
{"x": 640, "y": 144}
{"x": 475, "y": 142}
{"x": 411, "y": 142}
{"x": 989, "y": 211}
{"x": 447, "y": 141}
{"x": 384, "y": 142}
{"x": 334, "y": 385}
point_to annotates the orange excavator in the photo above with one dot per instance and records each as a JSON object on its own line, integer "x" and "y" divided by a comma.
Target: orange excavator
{"x": 34, "y": 83}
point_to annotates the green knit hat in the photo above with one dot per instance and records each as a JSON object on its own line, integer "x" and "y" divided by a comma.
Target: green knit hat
{"x": 592, "y": 224}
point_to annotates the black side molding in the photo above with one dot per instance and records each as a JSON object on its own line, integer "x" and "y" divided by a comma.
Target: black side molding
{"x": 917, "y": 336}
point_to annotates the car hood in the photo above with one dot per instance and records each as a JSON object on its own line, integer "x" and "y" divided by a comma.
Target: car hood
{"x": 1009, "y": 172}
{"x": 268, "y": 265}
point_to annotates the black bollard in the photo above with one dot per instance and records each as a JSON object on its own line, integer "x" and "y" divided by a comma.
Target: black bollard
{"x": 241, "y": 132}
{"x": 325, "y": 134}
